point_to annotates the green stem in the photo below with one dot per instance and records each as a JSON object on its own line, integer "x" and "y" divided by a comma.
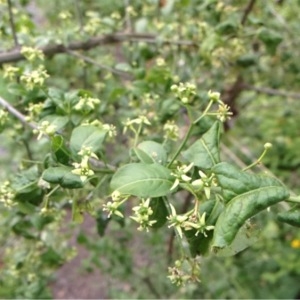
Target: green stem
{"x": 257, "y": 161}
{"x": 180, "y": 242}
{"x": 189, "y": 132}
{"x": 293, "y": 199}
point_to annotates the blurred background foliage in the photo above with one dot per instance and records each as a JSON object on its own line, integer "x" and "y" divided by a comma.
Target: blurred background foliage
{"x": 248, "y": 53}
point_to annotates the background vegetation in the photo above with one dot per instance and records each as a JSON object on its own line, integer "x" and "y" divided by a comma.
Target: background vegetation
{"x": 128, "y": 54}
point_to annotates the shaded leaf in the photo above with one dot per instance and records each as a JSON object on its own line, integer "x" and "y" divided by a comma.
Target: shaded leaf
{"x": 151, "y": 152}
{"x": 292, "y": 217}
{"x": 204, "y": 153}
{"x": 246, "y": 195}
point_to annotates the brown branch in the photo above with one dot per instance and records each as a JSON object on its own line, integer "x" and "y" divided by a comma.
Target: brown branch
{"x": 12, "y": 23}
{"x": 101, "y": 66}
{"x": 15, "y": 55}
{"x": 271, "y": 92}
{"x": 247, "y": 11}
{"x": 16, "y": 113}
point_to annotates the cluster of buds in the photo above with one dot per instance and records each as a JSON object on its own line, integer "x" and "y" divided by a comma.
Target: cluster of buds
{"x": 83, "y": 169}
{"x": 184, "y": 91}
{"x": 86, "y": 104}
{"x": 112, "y": 207}
{"x": 189, "y": 221}
{"x": 35, "y": 78}
{"x": 93, "y": 24}
{"x": 171, "y": 130}
{"x": 32, "y": 54}
{"x": 223, "y": 113}
{"x": 7, "y": 194}
{"x": 34, "y": 111}
{"x": 45, "y": 128}
{"x": 184, "y": 271}
{"x": 10, "y": 72}
{"x": 142, "y": 214}
{"x": 140, "y": 121}
{"x": 109, "y": 128}
{"x": 3, "y": 118}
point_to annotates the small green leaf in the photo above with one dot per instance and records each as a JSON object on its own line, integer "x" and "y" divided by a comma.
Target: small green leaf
{"x": 142, "y": 180}
{"x": 270, "y": 38}
{"x": 246, "y": 195}
{"x": 160, "y": 212}
{"x": 292, "y": 217}
{"x": 62, "y": 176}
{"x": 204, "y": 153}
{"x": 151, "y": 152}
{"x": 59, "y": 149}
{"x": 89, "y": 136}
{"x": 58, "y": 122}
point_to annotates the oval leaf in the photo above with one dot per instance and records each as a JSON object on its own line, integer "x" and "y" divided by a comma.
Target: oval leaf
{"x": 292, "y": 217}
{"x": 204, "y": 153}
{"x": 249, "y": 194}
{"x": 151, "y": 152}
{"x": 62, "y": 176}
{"x": 143, "y": 180}
{"x": 89, "y": 136}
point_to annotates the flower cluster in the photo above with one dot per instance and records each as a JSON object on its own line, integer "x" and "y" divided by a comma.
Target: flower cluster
{"x": 83, "y": 169}
{"x": 34, "y": 110}
{"x": 188, "y": 221}
{"x": 180, "y": 174}
{"x": 45, "y": 128}
{"x": 7, "y": 194}
{"x": 184, "y": 91}
{"x": 223, "y": 113}
{"x": 137, "y": 121}
{"x": 204, "y": 183}
{"x": 86, "y": 104}
{"x": 171, "y": 130}
{"x": 32, "y": 54}
{"x": 35, "y": 78}
{"x": 10, "y": 72}
{"x": 112, "y": 207}
{"x": 183, "y": 271}
{"x": 142, "y": 215}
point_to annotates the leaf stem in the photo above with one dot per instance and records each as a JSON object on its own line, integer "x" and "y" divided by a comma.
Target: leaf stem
{"x": 257, "y": 161}
{"x": 189, "y": 132}
{"x": 294, "y": 199}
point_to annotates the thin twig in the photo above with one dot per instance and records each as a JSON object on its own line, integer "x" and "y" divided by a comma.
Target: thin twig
{"x": 95, "y": 63}
{"x": 151, "y": 287}
{"x": 128, "y": 23}
{"x": 271, "y": 92}
{"x": 12, "y": 23}
{"x": 16, "y": 113}
{"x": 247, "y": 11}
{"x": 78, "y": 14}
{"x": 15, "y": 55}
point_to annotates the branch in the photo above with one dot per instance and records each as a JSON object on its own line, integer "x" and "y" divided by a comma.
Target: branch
{"x": 247, "y": 11}
{"x": 101, "y": 66}
{"x": 12, "y": 23}
{"x": 16, "y": 113}
{"x": 272, "y": 92}
{"x": 15, "y": 55}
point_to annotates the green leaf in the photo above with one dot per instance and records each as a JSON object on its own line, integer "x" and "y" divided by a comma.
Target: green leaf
{"x": 292, "y": 217}
{"x": 59, "y": 149}
{"x": 245, "y": 237}
{"x": 271, "y": 39}
{"x": 151, "y": 152}
{"x": 58, "y": 121}
{"x": 160, "y": 212}
{"x": 142, "y": 180}
{"x": 246, "y": 195}
{"x": 62, "y": 176}
{"x": 89, "y": 136}
{"x": 204, "y": 153}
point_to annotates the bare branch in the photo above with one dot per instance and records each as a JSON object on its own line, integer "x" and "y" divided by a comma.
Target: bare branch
{"x": 247, "y": 11}
{"x": 16, "y": 113}
{"x": 272, "y": 92}
{"x": 12, "y": 23}
{"x": 101, "y": 66}
{"x": 15, "y": 55}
